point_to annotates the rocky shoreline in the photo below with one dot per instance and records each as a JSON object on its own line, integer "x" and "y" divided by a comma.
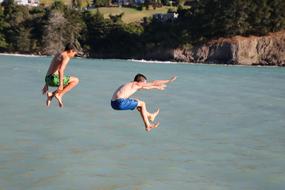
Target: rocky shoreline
{"x": 266, "y": 50}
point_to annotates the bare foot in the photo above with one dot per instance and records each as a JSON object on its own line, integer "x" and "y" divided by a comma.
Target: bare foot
{"x": 49, "y": 98}
{"x": 151, "y": 117}
{"x": 149, "y": 128}
{"x": 59, "y": 99}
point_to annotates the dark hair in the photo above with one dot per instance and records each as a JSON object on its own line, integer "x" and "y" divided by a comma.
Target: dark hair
{"x": 140, "y": 78}
{"x": 69, "y": 47}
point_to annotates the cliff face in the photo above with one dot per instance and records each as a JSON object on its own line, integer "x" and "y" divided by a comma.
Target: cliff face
{"x": 253, "y": 50}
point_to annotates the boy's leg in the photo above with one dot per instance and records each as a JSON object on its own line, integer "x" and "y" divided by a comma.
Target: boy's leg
{"x": 49, "y": 98}
{"x": 73, "y": 81}
{"x": 150, "y": 116}
{"x": 49, "y": 94}
{"x": 144, "y": 115}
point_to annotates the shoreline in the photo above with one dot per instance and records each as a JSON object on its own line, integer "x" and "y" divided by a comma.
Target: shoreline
{"x": 22, "y": 55}
{"x": 146, "y": 61}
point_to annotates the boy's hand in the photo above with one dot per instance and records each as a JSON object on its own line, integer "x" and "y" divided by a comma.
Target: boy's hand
{"x": 172, "y": 79}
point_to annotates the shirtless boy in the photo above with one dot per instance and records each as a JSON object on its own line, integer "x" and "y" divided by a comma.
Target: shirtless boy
{"x": 55, "y": 75}
{"x": 121, "y": 100}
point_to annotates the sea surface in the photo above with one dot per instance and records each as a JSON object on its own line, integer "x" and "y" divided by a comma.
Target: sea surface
{"x": 222, "y": 128}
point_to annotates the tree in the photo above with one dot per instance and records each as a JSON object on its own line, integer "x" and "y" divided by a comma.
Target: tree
{"x": 23, "y": 41}
{"x": 3, "y": 25}
{"x": 277, "y": 17}
{"x": 216, "y": 18}
{"x": 260, "y": 17}
{"x": 58, "y": 5}
{"x": 234, "y": 19}
{"x": 36, "y": 26}
{"x": 74, "y": 25}
{"x": 15, "y": 22}
{"x": 54, "y": 33}
{"x": 95, "y": 31}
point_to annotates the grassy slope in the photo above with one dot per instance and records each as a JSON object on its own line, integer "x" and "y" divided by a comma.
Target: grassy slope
{"x": 49, "y": 2}
{"x": 130, "y": 14}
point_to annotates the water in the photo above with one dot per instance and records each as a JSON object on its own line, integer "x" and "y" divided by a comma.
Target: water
{"x": 222, "y": 128}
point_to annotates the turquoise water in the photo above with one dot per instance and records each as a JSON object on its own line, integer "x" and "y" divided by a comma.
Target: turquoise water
{"x": 222, "y": 128}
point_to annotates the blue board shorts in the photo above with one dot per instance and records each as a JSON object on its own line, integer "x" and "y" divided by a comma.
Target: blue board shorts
{"x": 124, "y": 104}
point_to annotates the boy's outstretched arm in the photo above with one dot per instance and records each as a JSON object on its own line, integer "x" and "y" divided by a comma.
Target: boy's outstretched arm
{"x": 159, "y": 82}
{"x": 149, "y": 86}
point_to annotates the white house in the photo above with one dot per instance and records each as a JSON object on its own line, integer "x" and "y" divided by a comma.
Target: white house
{"x": 33, "y": 3}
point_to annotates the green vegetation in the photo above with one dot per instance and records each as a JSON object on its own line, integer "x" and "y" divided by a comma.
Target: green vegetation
{"x": 45, "y": 30}
{"x": 218, "y": 18}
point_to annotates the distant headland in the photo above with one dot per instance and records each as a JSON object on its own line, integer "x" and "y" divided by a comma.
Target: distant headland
{"x": 268, "y": 50}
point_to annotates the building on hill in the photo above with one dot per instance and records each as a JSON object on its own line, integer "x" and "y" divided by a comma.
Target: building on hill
{"x": 33, "y": 3}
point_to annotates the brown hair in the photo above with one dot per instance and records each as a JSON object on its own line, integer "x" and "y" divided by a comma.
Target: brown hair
{"x": 70, "y": 46}
{"x": 140, "y": 78}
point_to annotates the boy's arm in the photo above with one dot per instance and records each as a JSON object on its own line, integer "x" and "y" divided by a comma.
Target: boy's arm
{"x": 152, "y": 85}
{"x": 159, "y": 82}
{"x": 61, "y": 72}
{"x": 158, "y": 87}
{"x": 45, "y": 89}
